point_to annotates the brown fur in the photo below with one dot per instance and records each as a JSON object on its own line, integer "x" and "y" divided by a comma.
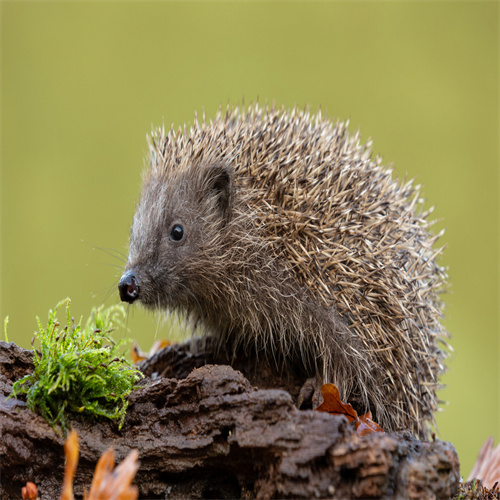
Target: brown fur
{"x": 300, "y": 246}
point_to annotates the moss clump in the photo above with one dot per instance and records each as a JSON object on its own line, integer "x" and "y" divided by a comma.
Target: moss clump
{"x": 77, "y": 370}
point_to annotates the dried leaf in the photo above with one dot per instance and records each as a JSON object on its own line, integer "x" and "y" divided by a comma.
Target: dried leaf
{"x": 364, "y": 425}
{"x": 30, "y": 491}
{"x": 107, "y": 484}
{"x": 115, "y": 485}
{"x": 138, "y": 355}
{"x": 334, "y": 405}
{"x": 71, "y": 451}
{"x": 487, "y": 466}
{"x": 103, "y": 469}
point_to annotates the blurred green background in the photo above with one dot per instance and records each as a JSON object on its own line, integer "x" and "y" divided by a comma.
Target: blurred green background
{"x": 83, "y": 82}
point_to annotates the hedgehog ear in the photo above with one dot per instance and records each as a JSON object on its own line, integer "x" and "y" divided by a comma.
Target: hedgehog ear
{"x": 219, "y": 184}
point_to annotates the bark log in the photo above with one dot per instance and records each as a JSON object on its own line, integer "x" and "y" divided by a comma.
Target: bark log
{"x": 214, "y": 435}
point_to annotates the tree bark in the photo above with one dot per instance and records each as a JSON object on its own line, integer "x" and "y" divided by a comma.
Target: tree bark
{"x": 214, "y": 435}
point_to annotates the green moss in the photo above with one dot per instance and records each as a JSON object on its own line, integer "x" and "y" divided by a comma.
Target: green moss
{"x": 77, "y": 370}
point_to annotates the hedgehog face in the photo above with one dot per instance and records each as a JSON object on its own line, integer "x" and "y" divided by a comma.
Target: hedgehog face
{"x": 179, "y": 219}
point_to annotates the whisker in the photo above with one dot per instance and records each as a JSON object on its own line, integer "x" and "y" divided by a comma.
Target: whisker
{"x": 116, "y": 254}
{"x": 127, "y": 316}
{"x": 116, "y": 266}
{"x": 107, "y": 289}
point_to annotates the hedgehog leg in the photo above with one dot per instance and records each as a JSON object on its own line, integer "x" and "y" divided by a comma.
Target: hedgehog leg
{"x": 310, "y": 392}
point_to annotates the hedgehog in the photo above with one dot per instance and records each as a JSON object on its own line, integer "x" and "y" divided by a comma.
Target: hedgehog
{"x": 278, "y": 232}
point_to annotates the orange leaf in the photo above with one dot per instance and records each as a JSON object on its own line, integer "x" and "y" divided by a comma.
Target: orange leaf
{"x": 364, "y": 425}
{"x": 71, "y": 452}
{"x": 102, "y": 471}
{"x": 158, "y": 345}
{"x": 334, "y": 405}
{"x": 30, "y": 491}
{"x": 109, "y": 484}
{"x": 138, "y": 355}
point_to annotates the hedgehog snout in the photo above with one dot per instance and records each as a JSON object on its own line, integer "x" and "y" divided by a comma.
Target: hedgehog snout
{"x": 129, "y": 287}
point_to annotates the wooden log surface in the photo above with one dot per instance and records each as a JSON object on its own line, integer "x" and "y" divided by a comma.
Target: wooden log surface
{"x": 214, "y": 435}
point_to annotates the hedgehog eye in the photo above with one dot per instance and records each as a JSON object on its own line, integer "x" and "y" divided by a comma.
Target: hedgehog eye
{"x": 177, "y": 233}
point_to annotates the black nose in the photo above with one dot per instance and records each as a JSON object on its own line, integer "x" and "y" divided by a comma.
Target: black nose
{"x": 128, "y": 287}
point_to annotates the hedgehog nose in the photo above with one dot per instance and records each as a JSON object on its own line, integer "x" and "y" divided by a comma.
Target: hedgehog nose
{"x": 128, "y": 287}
